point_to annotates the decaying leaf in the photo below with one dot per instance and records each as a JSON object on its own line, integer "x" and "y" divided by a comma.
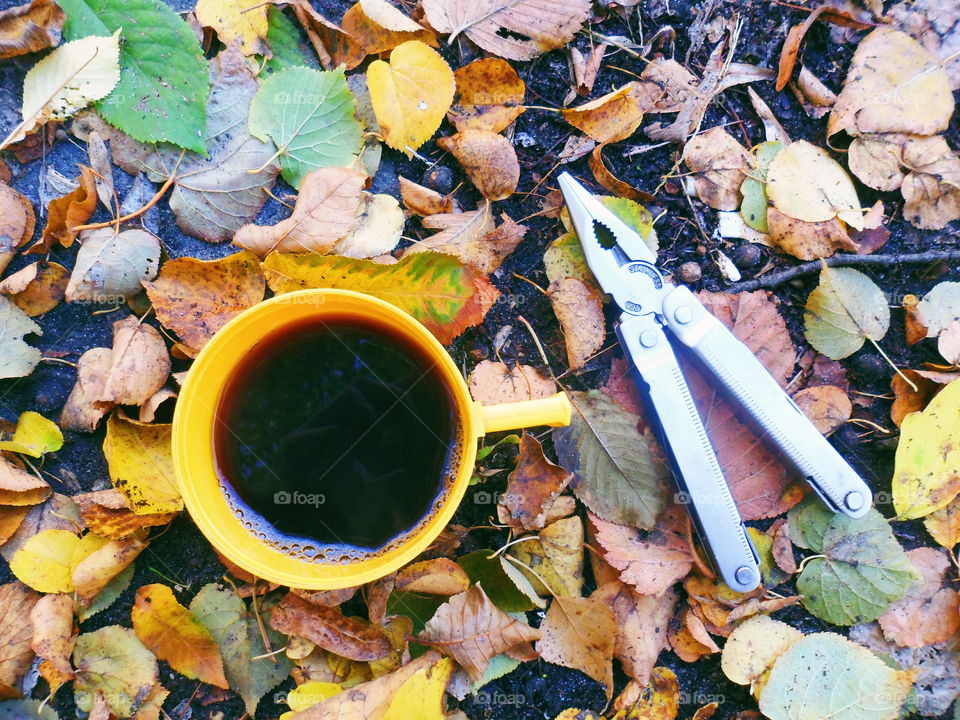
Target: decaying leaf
{"x": 65, "y": 213}
{"x": 488, "y": 159}
{"x": 944, "y": 524}
{"x": 439, "y": 576}
{"x": 689, "y": 638}
{"x": 580, "y": 314}
{"x": 98, "y": 563}
{"x": 422, "y": 200}
{"x": 16, "y": 357}
{"x": 827, "y": 406}
{"x": 552, "y": 562}
{"x": 376, "y": 229}
{"x": 489, "y": 96}
{"x": 29, "y": 28}
{"x": 753, "y": 647}
{"x": 495, "y": 382}
{"x": 16, "y": 603}
{"x": 141, "y": 466}
{"x": 20, "y": 488}
{"x": 845, "y": 310}
{"x": 580, "y": 633}
{"x": 139, "y": 364}
{"x": 330, "y": 629}
{"x": 36, "y": 288}
{"x": 112, "y": 661}
{"x": 660, "y": 700}
{"x": 111, "y": 265}
{"x": 807, "y": 240}
{"x": 719, "y": 164}
{"x": 533, "y": 485}
{"x": 83, "y": 409}
{"x": 54, "y": 631}
{"x": 929, "y": 612}
{"x": 379, "y": 27}
{"x": 107, "y": 513}
{"x": 17, "y": 220}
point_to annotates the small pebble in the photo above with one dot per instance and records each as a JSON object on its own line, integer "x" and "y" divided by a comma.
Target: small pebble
{"x": 701, "y": 250}
{"x": 439, "y": 178}
{"x": 748, "y": 256}
{"x": 689, "y": 272}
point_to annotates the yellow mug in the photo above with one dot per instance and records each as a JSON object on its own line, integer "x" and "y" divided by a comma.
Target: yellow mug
{"x": 223, "y": 523}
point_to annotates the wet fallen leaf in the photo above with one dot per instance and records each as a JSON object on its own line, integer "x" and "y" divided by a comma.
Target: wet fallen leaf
{"x": 195, "y": 298}
{"x": 719, "y": 165}
{"x": 845, "y": 310}
{"x": 471, "y": 629}
{"x": 36, "y": 288}
{"x": 439, "y": 576}
{"x": 495, "y": 382}
{"x": 580, "y": 633}
{"x": 554, "y": 558}
{"x": 650, "y": 562}
{"x": 641, "y": 626}
{"x": 330, "y": 629}
{"x": 612, "y": 117}
{"x": 827, "y": 406}
{"x": 379, "y": 27}
{"x": 111, "y": 265}
{"x": 113, "y": 661}
{"x": 83, "y": 409}
{"x": 423, "y": 201}
{"x": 139, "y": 364}
{"x": 29, "y": 28}
{"x": 237, "y": 21}
{"x": 519, "y": 30}
{"x": 925, "y": 476}
{"x": 66, "y": 212}
{"x": 489, "y": 96}
{"x": 580, "y": 314}
{"x": 54, "y": 631}
{"x": 67, "y": 80}
{"x": 752, "y": 649}
{"x": 436, "y": 289}
{"x": 34, "y": 436}
{"x": 16, "y": 603}
{"x": 410, "y": 94}
{"x": 533, "y": 486}
{"x": 488, "y": 159}
{"x": 141, "y": 466}
{"x": 44, "y": 561}
{"x": 107, "y": 513}
{"x": 20, "y": 488}
{"x": 929, "y": 612}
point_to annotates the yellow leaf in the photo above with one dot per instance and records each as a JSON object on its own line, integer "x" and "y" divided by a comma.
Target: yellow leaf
{"x": 410, "y": 94}
{"x": 34, "y": 436}
{"x": 237, "y": 20}
{"x": 140, "y": 464}
{"x": 67, "y": 80}
{"x": 175, "y": 635}
{"x": 753, "y": 648}
{"x": 111, "y": 661}
{"x": 926, "y": 474}
{"x": 44, "y": 561}
{"x": 97, "y": 563}
{"x": 311, "y": 693}
{"x": 421, "y": 696}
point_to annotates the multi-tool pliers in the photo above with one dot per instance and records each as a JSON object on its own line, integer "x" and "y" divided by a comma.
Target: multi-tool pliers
{"x": 651, "y": 305}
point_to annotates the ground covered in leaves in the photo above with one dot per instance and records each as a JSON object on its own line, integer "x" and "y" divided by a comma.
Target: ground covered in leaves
{"x": 746, "y": 141}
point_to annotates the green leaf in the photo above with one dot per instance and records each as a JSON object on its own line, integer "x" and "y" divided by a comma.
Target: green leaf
{"x": 16, "y": 357}
{"x": 859, "y": 569}
{"x": 27, "y": 710}
{"x": 438, "y": 290}
{"x": 309, "y": 115}
{"x": 163, "y": 85}
{"x": 824, "y": 675}
{"x": 843, "y": 311}
{"x": 234, "y": 628}
{"x": 286, "y": 42}
{"x": 618, "y": 476}
{"x": 754, "y": 189}
{"x": 34, "y": 436}
{"x": 499, "y": 587}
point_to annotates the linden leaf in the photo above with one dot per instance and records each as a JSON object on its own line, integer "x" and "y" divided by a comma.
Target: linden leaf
{"x": 840, "y": 680}
{"x": 112, "y": 661}
{"x": 309, "y": 115}
{"x": 618, "y": 475}
{"x": 34, "y": 436}
{"x": 44, "y": 561}
{"x": 513, "y": 29}
{"x": 859, "y": 568}
{"x": 379, "y": 27}
{"x": 175, "y": 635}
{"x": 753, "y": 647}
{"x": 489, "y": 96}
{"x": 242, "y": 21}
{"x": 925, "y": 474}
{"x": 410, "y": 94}
{"x": 162, "y": 74}
{"x": 66, "y": 81}
{"x": 612, "y": 117}
{"x": 29, "y": 28}
{"x": 16, "y": 357}
{"x": 719, "y": 164}
{"x": 439, "y": 291}
{"x": 110, "y": 265}
{"x": 141, "y": 466}
{"x": 579, "y": 633}
{"x": 195, "y": 298}
{"x": 844, "y": 310}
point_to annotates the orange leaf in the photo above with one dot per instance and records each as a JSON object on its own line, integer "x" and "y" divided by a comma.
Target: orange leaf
{"x": 533, "y": 486}
{"x": 579, "y": 633}
{"x": 16, "y": 602}
{"x": 929, "y": 612}
{"x": 64, "y": 213}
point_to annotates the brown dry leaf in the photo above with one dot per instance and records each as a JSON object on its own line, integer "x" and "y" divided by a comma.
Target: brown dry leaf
{"x": 580, "y": 633}
{"x": 761, "y": 483}
{"x": 719, "y": 164}
{"x": 148, "y": 411}
{"x": 107, "y": 513}
{"x": 932, "y": 188}
{"x": 54, "y": 630}
{"x": 782, "y": 547}
{"x": 30, "y": 28}
{"x": 583, "y": 70}
{"x": 489, "y": 96}
{"x": 423, "y": 201}
{"x": 611, "y": 182}
{"x": 65, "y": 213}
{"x": 98, "y": 568}
{"x": 472, "y": 237}
{"x": 807, "y": 240}
{"x": 552, "y": 561}
{"x": 877, "y": 158}
{"x": 16, "y": 223}
{"x": 325, "y": 211}
{"x": 828, "y": 407}
{"x": 580, "y": 314}
{"x": 16, "y": 603}
{"x": 533, "y": 486}
{"x": 944, "y": 524}
{"x": 493, "y": 382}
{"x": 379, "y": 27}
{"x": 689, "y": 638}
{"x": 37, "y": 288}
{"x": 333, "y": 46}
{"x": 440, "y": 576}
{"x": 929, "y": 612}
{"x": 791, "y": 47}
{"x": 195, "y": 298}
{"x": 614, "y": 116}
{"x": 83, "y": 409}
{"x": 893, "y": 85}
{"x": 512, "y": 29}
{"x": 652, "y": 561}
{"x": 329, "y": 629}
{"x": 10, "y": 520}
{"x": 641, "y": 626}
{"x": 622, "y": 387}
{"x": 471, "y": 629}
{"x": 139, "y": 364}
{"x": 326, "y": 598}
{"x": 488, "y": 159}
{"x": 20, "y": 488}
{"x": 815, "y": 97}
{"x": 715, "y": 603}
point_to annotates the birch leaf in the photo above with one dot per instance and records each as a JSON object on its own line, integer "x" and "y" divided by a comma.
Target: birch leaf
{"x": 16, "y": 357}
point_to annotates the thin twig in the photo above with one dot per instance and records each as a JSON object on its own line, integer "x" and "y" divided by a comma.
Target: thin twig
{"x": 778, "y": 278}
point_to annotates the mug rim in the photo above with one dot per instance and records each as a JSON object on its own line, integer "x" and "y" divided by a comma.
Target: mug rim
{"x": 193, "y": 452}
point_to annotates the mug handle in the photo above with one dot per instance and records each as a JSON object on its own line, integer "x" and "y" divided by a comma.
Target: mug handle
{"x": 553, "y": 411}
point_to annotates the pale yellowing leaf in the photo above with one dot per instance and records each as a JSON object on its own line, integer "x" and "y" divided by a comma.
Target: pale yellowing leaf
{"x": 243, "y": 21}
{"x": 44, "y": 561}
{"x": 844, "y": 311}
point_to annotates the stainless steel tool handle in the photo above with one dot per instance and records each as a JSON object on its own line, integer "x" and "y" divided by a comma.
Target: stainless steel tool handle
{"x": 771, "y": 408}
{"x": 698, "y": 475}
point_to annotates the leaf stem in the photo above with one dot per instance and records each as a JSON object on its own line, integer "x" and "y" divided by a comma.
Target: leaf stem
{"x": 895, "y": 368}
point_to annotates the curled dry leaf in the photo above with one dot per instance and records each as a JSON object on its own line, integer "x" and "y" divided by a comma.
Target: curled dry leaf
{"x": 495, "y": 382}
{"x": 689, "y": 638}
{"x": 423, "y": 201}
{"x": 29, "y": 28}
{"x": 17, "y": 220}
{"x": 65, "y": 213}
{"x": 650, "y": 562}
{"x": 580, "y": 314}
{"x": 195, "y": 298}
{"x": 54, "y": 631}
{"x": 471, "y": 629}
{"x": 37, "y": 288}
{"x": 107, "y": 513}
{"x": 580, "y": 633}
{"x": 16, "y": 603}
{"x": 488, "y": 159}
{"x": 533, "y": 486}
{"x": 517, "y": 30}
{"x": 439, "y": 576}
{"x": 807, "y": 240}
{"x": 719, "y": 164}
{"x": 20, "y": 488}
{"x": 113, "y": 662}
{"x": 83, "y": 409}
{"x": 614, "y": 116}
{"x": 489, "y": 96}
{"x": 140, "y": 464}
{"x": 326, "y": 208}
{"x": 583, "y": 70}
{"x": 552, "y": 561}
{"x": 379, "y": 27}
{"x": 827, "y": 406}
{"x": 929, "y": 612}
{"x": 139, "y": 364}
{"x": 329, "y": 629}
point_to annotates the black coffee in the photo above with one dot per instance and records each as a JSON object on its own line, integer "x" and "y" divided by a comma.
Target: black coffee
{"x": 340, "y": 433}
